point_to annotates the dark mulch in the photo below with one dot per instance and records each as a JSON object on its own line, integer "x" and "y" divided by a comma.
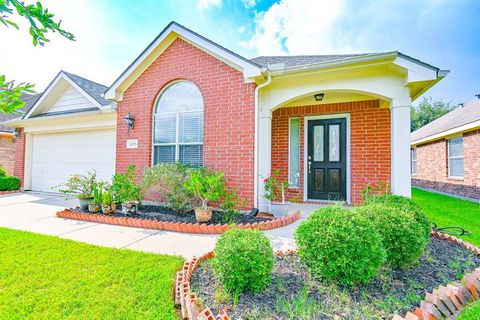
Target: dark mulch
{"x": 162, "y": 213}
{"x": 293, "y": 294}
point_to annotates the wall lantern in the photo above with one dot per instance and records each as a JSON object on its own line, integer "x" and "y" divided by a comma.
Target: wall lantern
{"x": 130, "y": 121}
{"x": 16, "y": 133}
{"x": 319, "y": 96}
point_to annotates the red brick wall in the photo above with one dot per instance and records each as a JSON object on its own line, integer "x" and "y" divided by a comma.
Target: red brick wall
{"x": 7, "y": 152}
{"x": 369, "y": 142}
{"x": 19, "y": 166}
{"x": 432, "y": 167}
{"x": 229, "y": 113}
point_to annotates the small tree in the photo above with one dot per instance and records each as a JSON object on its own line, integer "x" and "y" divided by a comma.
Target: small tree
{"x": 205, "y": 186}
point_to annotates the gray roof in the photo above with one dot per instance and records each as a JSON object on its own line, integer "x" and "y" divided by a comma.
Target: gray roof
{"x": 469, "y": 113}
{"x": 30, "y": 100}
{"x": 95, "y": 90}
{"x": 303, "y": 60}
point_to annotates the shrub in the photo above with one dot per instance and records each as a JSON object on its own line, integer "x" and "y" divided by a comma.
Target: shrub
{"x": 243, "y": 260}
{"x": 205, "y": 185}
{"x": 338, "y": 245}
{"x": 402, "y": 237}
{"x": 9, "y": 183}
{"x": 3, "y": 173}
{"x": 80, "y": 185}
{"x": 406, "y": 205}
{"x": 125, "y": 187}
{"x": 167, "y": 181}
{"x": 230, "y": 206}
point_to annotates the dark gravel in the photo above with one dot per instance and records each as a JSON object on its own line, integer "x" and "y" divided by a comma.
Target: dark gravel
{"x": 293, "y": 294}
{"x": 162, "y": 213}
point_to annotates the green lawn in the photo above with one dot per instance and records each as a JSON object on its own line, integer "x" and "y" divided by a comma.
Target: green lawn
{"x": 44, "y": 277}
{"x": 448, "y": 211}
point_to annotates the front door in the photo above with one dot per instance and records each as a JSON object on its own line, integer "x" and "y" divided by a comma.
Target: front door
{"x": 327, "y": 159}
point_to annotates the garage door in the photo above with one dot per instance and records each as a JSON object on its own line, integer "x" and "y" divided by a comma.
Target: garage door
{"x": 57, "y": 156}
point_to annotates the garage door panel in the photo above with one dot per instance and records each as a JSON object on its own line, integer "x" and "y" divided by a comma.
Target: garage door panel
{"x": 57, "y": 156}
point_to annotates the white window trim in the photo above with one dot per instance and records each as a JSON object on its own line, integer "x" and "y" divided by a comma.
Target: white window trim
{"x": 177, "y": 113}
{"x": 305, "y": 151}
{"x": 416, "y": 160}
{"x": 299, "y": 151}
{"x": 455, "y": 157}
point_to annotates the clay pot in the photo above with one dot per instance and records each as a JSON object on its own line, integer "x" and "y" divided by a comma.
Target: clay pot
{"x": 84, "y": 203}
{"x": 94, "y": 207}
{"x": 203, "y": 215}
{"x": 129, "y": 208}
{"x": 109, "y": 208}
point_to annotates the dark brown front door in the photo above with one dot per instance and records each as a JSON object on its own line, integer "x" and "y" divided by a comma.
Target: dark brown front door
{"x": 327, "y": 159}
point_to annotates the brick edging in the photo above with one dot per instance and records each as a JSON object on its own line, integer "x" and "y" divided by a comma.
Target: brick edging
{"x": 9, "y": 191}
{"x": 176, "y": 226}
{"x": 443, "y": 302}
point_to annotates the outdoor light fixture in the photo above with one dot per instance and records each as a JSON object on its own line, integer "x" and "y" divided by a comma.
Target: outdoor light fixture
{"x": 319, "y": 96}
{"x": 16, "y": 133}
{"x": 130, "y": 121}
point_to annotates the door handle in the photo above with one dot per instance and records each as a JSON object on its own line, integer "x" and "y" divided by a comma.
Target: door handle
{"x": 309, "y": 166}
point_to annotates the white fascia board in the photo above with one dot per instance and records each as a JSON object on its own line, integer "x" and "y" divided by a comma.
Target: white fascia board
{"x": 417, "y": 71}
{"x": 61, "y": 75}
{"x": 464, "y": 128}
{"x": 248, "y": 68}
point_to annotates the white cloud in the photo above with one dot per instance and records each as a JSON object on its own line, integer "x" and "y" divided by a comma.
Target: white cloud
{"x": 249, "y": 3}
{"x": 296, "y": 27}
{"x": 206, "y": 4}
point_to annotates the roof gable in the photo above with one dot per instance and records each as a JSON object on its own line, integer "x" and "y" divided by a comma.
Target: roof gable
{"x": 163, "y": 41}
{"x": 69, "y": 93}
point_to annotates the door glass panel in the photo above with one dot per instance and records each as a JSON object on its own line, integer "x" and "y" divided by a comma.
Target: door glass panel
{"x": 334, "y": 142}
{"x": 319, "y": 180}
{"x": 318, "y": 143}
{"x": 334, "y": 180}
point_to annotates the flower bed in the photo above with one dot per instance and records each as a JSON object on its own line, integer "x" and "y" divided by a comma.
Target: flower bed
{"x": 155, "y": 217}
{"x": 394, "y": 291}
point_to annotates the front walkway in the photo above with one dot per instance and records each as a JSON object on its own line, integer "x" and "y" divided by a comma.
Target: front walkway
{"x": 35, "y": 212}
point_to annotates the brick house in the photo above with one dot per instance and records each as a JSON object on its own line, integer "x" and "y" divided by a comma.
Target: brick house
{"x": 445, "y": 153}
{"x": 325, "y": 122}
{"x": 8, "y": 137}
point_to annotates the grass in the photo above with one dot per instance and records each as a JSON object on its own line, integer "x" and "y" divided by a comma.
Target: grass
{"x": 43, "y": 277}
{"x": 448, "y": 211}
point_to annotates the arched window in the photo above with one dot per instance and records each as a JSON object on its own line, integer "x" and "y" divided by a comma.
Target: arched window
{"x": 178, "y": 125}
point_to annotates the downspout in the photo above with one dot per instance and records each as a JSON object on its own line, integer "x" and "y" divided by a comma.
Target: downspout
{"x": 255, "y": 162}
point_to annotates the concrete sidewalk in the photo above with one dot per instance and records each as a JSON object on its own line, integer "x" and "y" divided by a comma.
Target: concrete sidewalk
{"x": 35, "y": 212}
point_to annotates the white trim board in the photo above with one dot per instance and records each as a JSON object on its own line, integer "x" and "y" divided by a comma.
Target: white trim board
{"x": 305, "y": 152}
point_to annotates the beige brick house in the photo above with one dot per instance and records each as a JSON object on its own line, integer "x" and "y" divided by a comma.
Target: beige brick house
{"x": 445, "y": 154}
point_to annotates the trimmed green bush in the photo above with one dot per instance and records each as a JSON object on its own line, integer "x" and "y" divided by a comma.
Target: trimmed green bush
{"x": 338, "y": 245}
{"x": 243, "y": 260}
{"x": 402, "y": 236}
{"x": 404, "y": 204}
{"x": 9, "y": 183}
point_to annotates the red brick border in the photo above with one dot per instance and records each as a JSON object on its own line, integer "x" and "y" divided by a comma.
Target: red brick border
{"x": 444, "y": 302}
{"x": 9, "y": 191}
{"x": 176, "y": 226}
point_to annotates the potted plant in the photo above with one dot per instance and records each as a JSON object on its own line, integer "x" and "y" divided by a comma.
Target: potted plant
{"x": 126, "y": 191}
{"x": 273, "y": 189}
{"x": 206, "y": 187}
{"x": 80, "y": 185}
{"x": 108, "y": 202}
{"x": 96, "y": 205}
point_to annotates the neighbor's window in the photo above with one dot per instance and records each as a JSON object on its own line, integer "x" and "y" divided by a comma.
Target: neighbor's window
{"x": 178, "y": 125}
{"x": 455, "y": 157}
{"x": 294, "y": 153}
{"x": 414, "y": 160}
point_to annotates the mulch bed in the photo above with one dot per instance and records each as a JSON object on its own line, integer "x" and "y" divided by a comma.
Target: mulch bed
{"x": 294, "y": 294}
{"x": 162, "y": 213}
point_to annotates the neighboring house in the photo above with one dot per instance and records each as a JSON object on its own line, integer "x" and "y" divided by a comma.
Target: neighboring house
{"x": 7, "y": 134}
{"x": 325, "y": 121}
{"x": 446, "y": 153}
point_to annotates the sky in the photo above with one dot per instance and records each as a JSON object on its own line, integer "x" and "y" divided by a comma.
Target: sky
{"x": 111, "y": 34}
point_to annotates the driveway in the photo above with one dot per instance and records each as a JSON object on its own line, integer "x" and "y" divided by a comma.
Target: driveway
{"x": 35, "y": 212}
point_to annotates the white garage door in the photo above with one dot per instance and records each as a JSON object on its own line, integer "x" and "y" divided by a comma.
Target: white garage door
{"x": 57, "y": 156}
